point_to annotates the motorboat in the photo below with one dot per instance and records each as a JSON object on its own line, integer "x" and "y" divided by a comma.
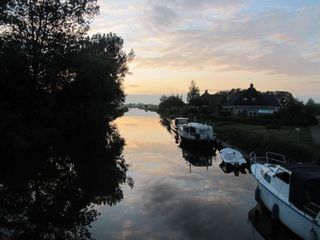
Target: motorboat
{"x": 231, "y": 156}
{"x": 197, "y": 133}
{"x": 290, "y": 191}
{"x": 176, "y": 123}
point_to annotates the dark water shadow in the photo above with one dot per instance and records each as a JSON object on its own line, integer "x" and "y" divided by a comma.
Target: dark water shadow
{"x": 268, "y": 228}
{"x": 197, "y": 157}
{"x": 229, "y": 168}
{"x": 165, "y": 122}
{"x": 49, "y": 192}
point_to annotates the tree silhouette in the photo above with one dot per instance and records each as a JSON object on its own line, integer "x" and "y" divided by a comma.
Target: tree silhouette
{"x": 194, "y": 93}
{"x": 171, "y": 104}
{"x": 59, "y": 91}
{"x": 45, "y": 31}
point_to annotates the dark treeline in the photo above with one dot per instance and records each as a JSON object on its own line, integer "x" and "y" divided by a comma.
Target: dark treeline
{"x": 292, "y": 110}
{"x": 59, "y": 92}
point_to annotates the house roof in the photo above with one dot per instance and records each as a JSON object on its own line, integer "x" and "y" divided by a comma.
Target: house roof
{"x": 252, "y": 97}
{"x": 211, "y": 98}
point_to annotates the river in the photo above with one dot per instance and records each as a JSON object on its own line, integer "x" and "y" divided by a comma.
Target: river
{"x": 171, "y": 198}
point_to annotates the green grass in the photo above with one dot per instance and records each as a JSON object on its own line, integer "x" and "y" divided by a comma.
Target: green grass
{"x": 295, "y": 145}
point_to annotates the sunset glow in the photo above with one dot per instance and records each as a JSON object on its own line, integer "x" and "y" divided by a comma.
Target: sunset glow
{"x": 219, "y": 44}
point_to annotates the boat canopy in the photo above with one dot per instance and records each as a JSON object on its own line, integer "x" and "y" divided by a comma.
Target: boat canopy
{"x": 304, "y": 185}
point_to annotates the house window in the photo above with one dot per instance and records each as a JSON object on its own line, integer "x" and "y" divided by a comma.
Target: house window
{"x": 253, "y": 99}
{"x": 254, "y": 113}
{"x": 245, "y": 99}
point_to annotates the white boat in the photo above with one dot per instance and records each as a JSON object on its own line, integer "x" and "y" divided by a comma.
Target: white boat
{"x": 197, "y": 133}
{"x": 290, "y": 191}
{"x": 176, "y": 123}
{"x": 233, "y": 157}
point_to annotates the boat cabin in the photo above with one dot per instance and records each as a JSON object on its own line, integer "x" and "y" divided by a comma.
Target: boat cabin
{"x": 298, "y": 183}
{"x": 290, "y": 191}
{"x": 198, "y": 131}
{"x": 178, "y": 122}
{"x": 305, "y": 188}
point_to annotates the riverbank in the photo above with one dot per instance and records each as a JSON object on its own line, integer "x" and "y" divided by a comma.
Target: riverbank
{"x": 295, "y": 143}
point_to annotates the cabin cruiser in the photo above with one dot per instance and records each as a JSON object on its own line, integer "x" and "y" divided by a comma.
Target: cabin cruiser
{"x": 290, "y": 191}
{"x": 231, "y": 156}
{"x": 176, "y": 123}
{"x": 197, "y": 133}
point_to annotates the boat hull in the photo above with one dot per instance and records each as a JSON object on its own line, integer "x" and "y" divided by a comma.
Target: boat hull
{"x": 232, "y": 157}
{"x": 199, "y": 143}
{"x": 293, "y": 218}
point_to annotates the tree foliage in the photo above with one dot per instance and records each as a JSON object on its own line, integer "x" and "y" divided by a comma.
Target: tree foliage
{"x": 45, "y": 31}
{"x": 295, "y": 111}
{"x": 59, "y": 91}
{"x": 171, "y": 104}
{"x": 194, "y": 93}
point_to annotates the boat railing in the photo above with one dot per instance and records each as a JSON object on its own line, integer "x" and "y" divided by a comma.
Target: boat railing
{"x": 270, "y": 158}
{"x": 312, "y": 208}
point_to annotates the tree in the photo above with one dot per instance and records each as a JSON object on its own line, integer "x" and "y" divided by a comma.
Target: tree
{"x": 193, "y": 93}
{"x": 171, "y": 104}
{"x": 58, "y": 93}
{"x": 45, "y": 31}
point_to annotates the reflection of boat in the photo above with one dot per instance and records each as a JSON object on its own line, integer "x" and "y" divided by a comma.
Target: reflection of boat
{"x": 196, "y": 157}
{"x": 228, "y": 168}
{"x": 269, "y": 229}
{"x": 197, "y": 133}
{"x": 290, "y": 191}
{"x": 232, "y": 157}
{"x": 176, "y": 123}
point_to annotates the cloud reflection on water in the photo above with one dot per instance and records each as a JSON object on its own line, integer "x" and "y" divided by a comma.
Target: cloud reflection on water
{"x": 167, "y": 201}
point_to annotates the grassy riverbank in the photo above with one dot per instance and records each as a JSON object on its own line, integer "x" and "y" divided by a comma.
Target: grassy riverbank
{"x": 295, "y": 143}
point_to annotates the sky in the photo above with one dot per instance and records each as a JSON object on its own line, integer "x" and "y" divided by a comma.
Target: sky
{"x": 220, "y": 44}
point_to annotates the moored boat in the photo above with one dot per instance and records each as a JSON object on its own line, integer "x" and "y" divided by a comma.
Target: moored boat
{"x": 290, "y": 191}
{"x": 176, "y": 123}
{"x": 197, "y": 134}
{"x": 231, "y": 156}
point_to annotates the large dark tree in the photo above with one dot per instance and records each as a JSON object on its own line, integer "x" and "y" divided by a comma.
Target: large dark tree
{"x": 59, "y": 90}
{"x": 171, "y": 104}
{"x": 45, "y": 31}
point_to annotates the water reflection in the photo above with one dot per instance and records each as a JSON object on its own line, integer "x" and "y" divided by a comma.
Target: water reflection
{"x": 167, "y": 201}
{"x": 197, "y": 157}
{"x": 229, "y": 168}
{"x": 270, "y": 229}
{"x": 49, "y": 192}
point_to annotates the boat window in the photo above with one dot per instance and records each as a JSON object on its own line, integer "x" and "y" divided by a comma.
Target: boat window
{"x": 185, "y": 128}
{"x": 267, "y": 178}
{"x": 203, "y": 131}
{"x": 192, "y": 130}
{"x": 283, "y": 175}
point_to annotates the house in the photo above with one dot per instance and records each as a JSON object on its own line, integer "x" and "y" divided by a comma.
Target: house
{"x": 211, "y": 102}
{"x": 251, "y": 103}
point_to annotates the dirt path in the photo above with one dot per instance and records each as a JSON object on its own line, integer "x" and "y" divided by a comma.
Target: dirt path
{"x": 315, "y": 131}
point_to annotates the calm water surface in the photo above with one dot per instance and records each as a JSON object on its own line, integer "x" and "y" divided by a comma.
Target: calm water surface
{"x": 172, "y": 199}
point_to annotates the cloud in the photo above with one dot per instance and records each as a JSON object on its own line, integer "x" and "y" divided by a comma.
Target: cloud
{"x": 266, "y": 42}
{"x": 225, "y": 35}
{"x": 191, "y": 216}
